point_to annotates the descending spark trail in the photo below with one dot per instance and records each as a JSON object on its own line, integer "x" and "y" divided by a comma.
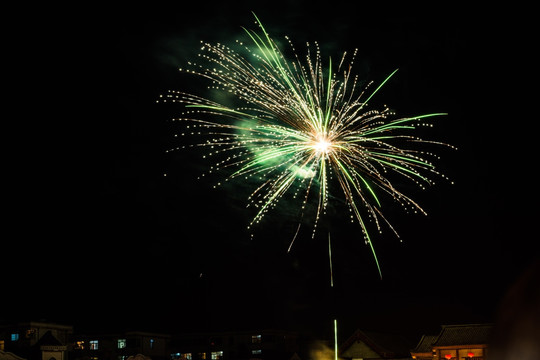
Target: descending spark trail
{"x": 298, "y": 128}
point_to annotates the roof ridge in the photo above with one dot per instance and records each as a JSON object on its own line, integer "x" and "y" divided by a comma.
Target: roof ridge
{"x": 464, "y": 325}
{"x": 424, "y": 341}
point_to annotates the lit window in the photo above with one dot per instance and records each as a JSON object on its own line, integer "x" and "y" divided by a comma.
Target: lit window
{"x": 30, "y": 333}
{"x": 202, "y": 356}
{"x": 217, "y": 355}
{"x": 2, "y": 345}
{"x": 122, "y": 357}
{"x": 14, "y": 337}
{"x": 79, "y": 345}
{"x": 256, "y": 339}
{"x": 181, "y": 356}
{"x": 122, "y": 343}
{"x": 256, "y": 352}
{"x": 94, "y": 345}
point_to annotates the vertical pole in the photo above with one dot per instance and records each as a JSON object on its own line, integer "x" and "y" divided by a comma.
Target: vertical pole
{"x": 335, "y": 340}
{"x": 332, "y": 285}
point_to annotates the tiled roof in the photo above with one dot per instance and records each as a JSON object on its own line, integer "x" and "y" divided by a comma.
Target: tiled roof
{"x": 425, "y": 344}
{"x": 464, "y": 335}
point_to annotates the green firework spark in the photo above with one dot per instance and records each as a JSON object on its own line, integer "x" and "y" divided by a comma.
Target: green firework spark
{"x": 303, "y": 129}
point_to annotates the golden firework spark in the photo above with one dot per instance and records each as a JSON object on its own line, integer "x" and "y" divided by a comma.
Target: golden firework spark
{"x": 298, "y": 127}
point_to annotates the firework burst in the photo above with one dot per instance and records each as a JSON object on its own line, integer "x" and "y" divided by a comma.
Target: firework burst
{"x": 299, "y": 128}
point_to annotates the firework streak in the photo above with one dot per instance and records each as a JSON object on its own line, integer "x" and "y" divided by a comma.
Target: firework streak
{"x": 296, "y": 127}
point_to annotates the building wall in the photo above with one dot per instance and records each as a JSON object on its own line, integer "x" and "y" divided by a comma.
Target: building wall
{"x": 153, "y": 345}
{"x": 461, "y": 352}
{"x": 266, "y": 345}
{"x": 21, "y": 338}
{"x": 49, "y": 355}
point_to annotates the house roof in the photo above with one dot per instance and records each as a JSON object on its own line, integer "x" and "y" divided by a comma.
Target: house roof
{"x": 464, "y": 335}
{"x": 9, "y": 356}
{"x": 48, "y": 339}
{"x": 385, "y": 344}
{"x": 139, "y": 357}
{"x": 425, "y": 344}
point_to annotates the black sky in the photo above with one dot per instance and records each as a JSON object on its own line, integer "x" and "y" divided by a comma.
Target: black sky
{"x": 101, "y": 239}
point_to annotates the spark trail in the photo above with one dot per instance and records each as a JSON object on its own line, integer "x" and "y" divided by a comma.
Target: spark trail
{"x": 298, "y": 127}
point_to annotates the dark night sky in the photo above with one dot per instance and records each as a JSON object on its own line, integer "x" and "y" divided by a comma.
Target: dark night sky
{"x": 102, "y": 240}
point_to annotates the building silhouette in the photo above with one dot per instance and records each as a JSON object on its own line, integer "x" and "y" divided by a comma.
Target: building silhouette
{"x": 48, "y": 341}
{"x": 456, "y": 342}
